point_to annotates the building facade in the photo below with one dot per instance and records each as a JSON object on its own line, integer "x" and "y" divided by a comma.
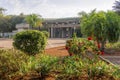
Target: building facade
{"x": 57, "y": 28}
{"x": 62, "y": 28}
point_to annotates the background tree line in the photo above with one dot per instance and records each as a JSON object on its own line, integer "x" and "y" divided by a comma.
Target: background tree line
{"x": 8, "y": 22}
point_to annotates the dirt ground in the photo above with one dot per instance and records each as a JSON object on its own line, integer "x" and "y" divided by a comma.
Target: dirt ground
{"x": 112, "y": 56}
{"x": 57, "y": 51}
{"x": 61, "y": 51}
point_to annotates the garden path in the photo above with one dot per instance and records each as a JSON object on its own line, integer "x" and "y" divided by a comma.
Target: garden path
{"x": 113, "y": 59}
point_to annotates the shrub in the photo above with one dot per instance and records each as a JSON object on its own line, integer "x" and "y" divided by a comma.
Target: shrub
{"x": 81, "y": 46}
{"x": 46, "y": 63}
{"x": 113, "y": 45}
{"x": 79, "y": 68}
{"x": 15, "y": 64}
{"x": 46, "y": 34}
{"x": 99, "y": 70}
{"x": 30, "y": 41}
{"x": 11, "y": 62}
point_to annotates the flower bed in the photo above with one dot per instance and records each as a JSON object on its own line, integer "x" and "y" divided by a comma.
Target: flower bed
{"x": 81, "y": 46}
{"x": 44, "y": 67}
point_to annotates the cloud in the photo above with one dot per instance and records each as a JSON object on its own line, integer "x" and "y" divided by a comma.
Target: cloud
{"x": 54, "y": 8}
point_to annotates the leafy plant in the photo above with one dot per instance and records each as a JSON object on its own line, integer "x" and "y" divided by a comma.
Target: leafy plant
{"x": 113, "y": 45}
{"x": 102, "y": 26}
{"x": 70, "y": 67}
{"x": 46, "y": 34}
{"x": 116, "y": 72}
{"x": 99, "y": 70}
{"x": 46, "y": 64}
{"x": 81, "y": 46}
{"x": 11, "y": 62}
{"x": 30, "y": 41}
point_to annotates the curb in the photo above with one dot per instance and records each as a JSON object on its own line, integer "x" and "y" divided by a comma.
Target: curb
{"x": 106, "y": 60}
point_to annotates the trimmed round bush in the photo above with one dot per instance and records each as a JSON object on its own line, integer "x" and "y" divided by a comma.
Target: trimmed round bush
{"x": 46, "y": 34}
{"x": 30, "y": 41}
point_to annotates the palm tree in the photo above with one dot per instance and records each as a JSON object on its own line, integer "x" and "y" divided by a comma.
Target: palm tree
{"x": 2, "y": 10}
{"x": 116, "y": 7}
{"x": 34, "y": 20}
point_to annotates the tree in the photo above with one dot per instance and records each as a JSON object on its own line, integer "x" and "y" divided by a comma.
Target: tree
{"x": 16, "y": 19}
{"x": 34, "y": 20}
{"x": 101, "y": 26}
{"x": 2, "y": 10}
{"x": 113, "y": 26}
{"x": 86, "y": 22}
{"x": 5, "y": 24}
{"x": 116, "y": 7}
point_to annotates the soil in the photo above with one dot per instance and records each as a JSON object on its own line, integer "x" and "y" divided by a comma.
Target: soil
{"x": 57, "y": 51}
{"x": 61, "y": 51}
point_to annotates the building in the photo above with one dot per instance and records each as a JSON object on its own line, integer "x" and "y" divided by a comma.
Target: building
{"x": 57, "y": 28}
{"x": 22, "y": 26}
{"x": 62, "y": 28}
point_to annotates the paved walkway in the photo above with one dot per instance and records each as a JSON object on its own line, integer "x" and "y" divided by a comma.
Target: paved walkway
{"x": 7, "y": 43}
{"x": 113, "y": 59}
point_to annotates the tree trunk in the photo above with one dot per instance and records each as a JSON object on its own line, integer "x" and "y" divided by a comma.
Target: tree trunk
{"x": 39, "y": 28}
{"x": 102, "y": 46}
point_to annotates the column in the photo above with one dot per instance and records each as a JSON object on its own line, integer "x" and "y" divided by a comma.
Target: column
{"x": 51, "y": 32}
{"x": 62, "y": 32}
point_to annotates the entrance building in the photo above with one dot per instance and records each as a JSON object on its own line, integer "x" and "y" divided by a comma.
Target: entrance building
{"x": 62, "y": 28}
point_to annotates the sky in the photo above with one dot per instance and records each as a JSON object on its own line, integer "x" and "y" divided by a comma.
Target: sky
{"x": 54, "y": 8}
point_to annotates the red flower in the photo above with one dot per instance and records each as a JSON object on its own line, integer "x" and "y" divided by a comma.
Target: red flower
{"x": 71, "y": 54}
{"x": 66, "y": 48}
{"x": 102, "y": 52}
{"x": 89, "y": 38}
{"x": 98, "y": 45}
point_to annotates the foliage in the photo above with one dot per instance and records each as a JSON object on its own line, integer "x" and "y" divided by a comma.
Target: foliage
{"x": 30, "y": 41}
{"x": 101, "y": 26}
{"x": 81, "y": 46}
{"x": 116, "y": 6}
{"x": 34, "y": 20}
{"x": 79, "y": 68}
{"x": 112, "y": 29}
{"x": 2, "y": 10}
{"x": 16, "y": 19}
{"x": 5, "y": 25}
{"x": 46, "y": 64}
{"x": 99, "y": 69}
{"x": 70, "y": 67}
{"x": 11, "y": 62}
{"x": 8, "y": 22}
{"x": 116, "y": 72}
{"x": 46, "y": 34}
{"x": 113, "y": 45}
{"x": 14, "y": 63}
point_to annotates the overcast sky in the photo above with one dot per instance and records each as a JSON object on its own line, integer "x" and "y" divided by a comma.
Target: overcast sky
{"x": 55, "y": 8}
